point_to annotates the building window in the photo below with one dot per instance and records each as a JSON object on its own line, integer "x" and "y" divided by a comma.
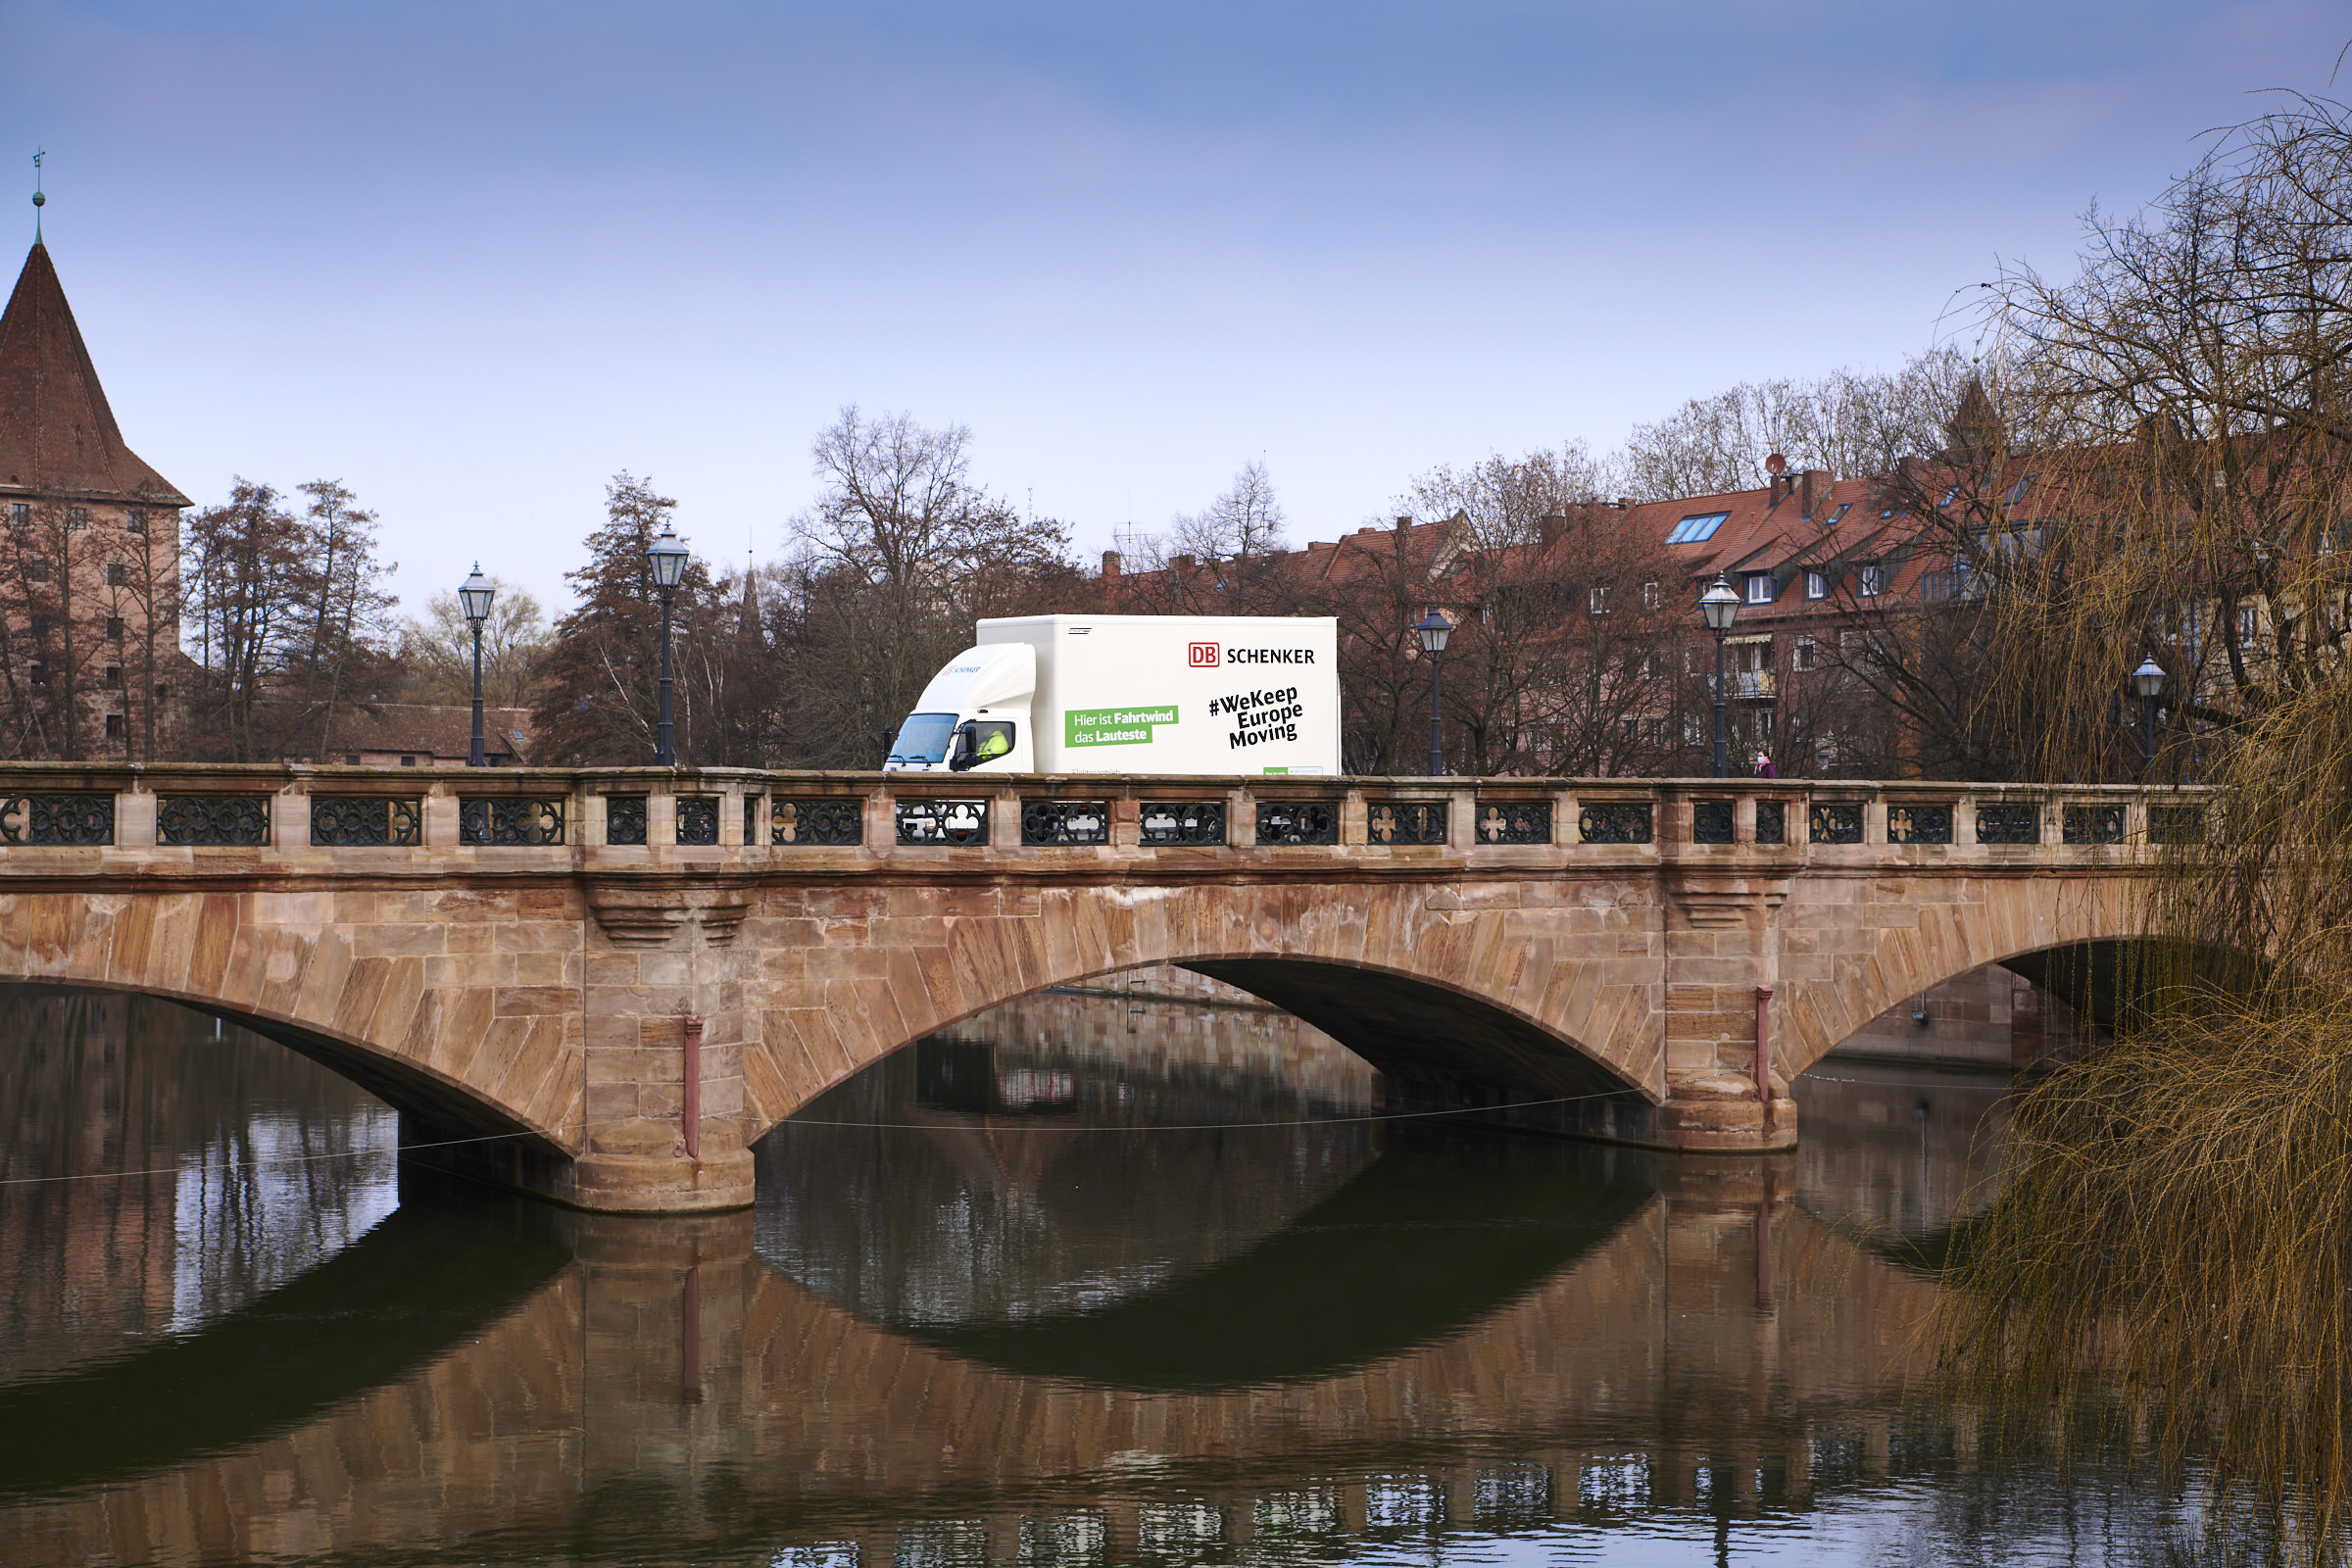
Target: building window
{"x": 1871, "y": 580}
{"x": 113, "y": 674}
{"x": 38, "y": 675}
{"x": 115, "y": 574}
{"x": 1804, "y": 653}
{"x": 408, "y": 762}
{"x": 1816, "y": 585}
{"x": 19, "y": 513}
{"x": 39, "y": 626}
{"x": 78, "y": 517}
{"x": 134, "y": 522}
{"x": 2017, "y": 491}
{"x": 1651, "y": 594}
{"x": 1697, "y": 528}
{"x": 351, "y": 758}
{"x": 1598, "y": 600}
{"x": 1759, "y": 587}
{"x": 2248, "y": 626}
{"x": 37, "y": 569}
{"x": 1948, "y": 496}
{"x": 1844, "y": 507}
{"x": 114, "y": 628}
{"x": 114, "y": 726}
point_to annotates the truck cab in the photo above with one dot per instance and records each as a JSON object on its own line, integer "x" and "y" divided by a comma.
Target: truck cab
{"x": 973, "y": 716}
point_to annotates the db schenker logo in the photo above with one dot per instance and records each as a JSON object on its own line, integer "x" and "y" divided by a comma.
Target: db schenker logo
{"x": 1202, "y": 656}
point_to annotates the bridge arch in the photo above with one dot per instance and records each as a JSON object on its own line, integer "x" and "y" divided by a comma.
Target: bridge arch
{"x": 2024, "y": 923}
{"x": 1478, "y": 1004}
{"x": 281, "y": 966}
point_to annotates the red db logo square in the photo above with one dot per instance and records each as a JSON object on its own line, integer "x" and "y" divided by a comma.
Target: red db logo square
{"x": 1202, "y": 655}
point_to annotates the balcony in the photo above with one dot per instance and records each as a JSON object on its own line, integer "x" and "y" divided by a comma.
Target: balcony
{"x": 1748, "y": 685}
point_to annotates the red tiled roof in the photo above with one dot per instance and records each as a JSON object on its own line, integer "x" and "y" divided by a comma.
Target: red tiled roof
{"x": 434, "y": 729}
{"x": 57, "y": 434}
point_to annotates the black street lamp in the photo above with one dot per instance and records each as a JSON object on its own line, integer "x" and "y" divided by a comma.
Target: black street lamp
{"x": 475, "y": 595}
{"x": 1720, "y": 604}
{"x": 2149, "y": 678}
{"x": 669, "y": 565}
{"x": 1433, "y": 630}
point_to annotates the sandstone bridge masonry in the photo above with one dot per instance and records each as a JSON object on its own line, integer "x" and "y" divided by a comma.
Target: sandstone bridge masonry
{"x": 605, "y": 984}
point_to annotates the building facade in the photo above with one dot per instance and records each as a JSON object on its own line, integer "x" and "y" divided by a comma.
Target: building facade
{"x": 89, "y": 549}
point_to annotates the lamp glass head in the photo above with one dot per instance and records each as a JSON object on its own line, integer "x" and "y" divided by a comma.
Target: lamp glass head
{"x": 1720, "y": 604}
{"x": 475, "y": 594}
{"x": 2148, "y": 677}
{"x": 1433, "y": 630}
{"x": 668, "y": 558}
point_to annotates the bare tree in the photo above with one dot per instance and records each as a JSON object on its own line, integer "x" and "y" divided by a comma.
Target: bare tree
{"x": 891, "y": 568}
{"x": 437, "y": 650}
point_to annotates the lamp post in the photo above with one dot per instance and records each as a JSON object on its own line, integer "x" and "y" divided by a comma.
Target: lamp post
{"x": 1433, "y": 630}
{"x": 669, "y": 565}
{"x": 1720, "y": 604}
{"x": 2149, "y": 679}
{"x": 475, "y": 594}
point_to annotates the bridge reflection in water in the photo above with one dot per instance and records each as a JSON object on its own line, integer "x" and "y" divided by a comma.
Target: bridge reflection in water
{"x": 1009, "y": 1323}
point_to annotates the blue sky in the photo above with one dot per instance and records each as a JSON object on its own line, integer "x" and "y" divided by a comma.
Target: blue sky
{"x": 473, "y": 260}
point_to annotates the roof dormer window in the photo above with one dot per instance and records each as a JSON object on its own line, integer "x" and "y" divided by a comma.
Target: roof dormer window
{"x": 1759, "y": 587}
{"x": 1697, "y": 528}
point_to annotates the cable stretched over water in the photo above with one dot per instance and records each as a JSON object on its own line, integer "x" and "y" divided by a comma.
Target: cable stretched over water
{"x": 885, "y": 1126}
{"x": 868, "y": 1126}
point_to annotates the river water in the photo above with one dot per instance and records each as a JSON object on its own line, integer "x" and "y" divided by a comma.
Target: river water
{"x": 1094, "y": 1282}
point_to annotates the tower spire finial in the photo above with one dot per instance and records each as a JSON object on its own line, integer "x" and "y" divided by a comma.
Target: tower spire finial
{"x": 39, "y": 201}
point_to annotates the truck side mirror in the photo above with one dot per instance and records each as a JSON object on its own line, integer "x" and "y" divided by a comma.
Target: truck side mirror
{"x": 960, "y": 758}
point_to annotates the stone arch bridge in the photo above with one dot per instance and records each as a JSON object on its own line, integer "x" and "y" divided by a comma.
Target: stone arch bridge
{"x": 604, "y": 985}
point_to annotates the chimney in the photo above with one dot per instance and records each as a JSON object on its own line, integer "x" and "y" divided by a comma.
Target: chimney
{"x": 1111, "y": 565}
{"x": 1625, "y": 503}
{"x": 1549, "y": 528}
{"x": 1403, "y": 523}
{"x": 1183, "y": 566}
{"x": 1805, "y": 491}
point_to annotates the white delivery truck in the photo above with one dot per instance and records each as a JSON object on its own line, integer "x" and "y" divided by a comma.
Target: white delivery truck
{"x": 1133, "y": 694}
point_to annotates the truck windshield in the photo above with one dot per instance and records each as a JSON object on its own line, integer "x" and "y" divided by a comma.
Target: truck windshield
{"x": 923, "y": 738}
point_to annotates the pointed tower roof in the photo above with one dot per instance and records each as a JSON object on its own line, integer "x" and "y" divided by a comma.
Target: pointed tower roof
{"x": 1975, "y": 425}
{"x": 56, "y": 435}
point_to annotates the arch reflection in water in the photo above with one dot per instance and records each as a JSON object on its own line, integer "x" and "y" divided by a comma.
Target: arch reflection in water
{"x": 1666, "y": 1348}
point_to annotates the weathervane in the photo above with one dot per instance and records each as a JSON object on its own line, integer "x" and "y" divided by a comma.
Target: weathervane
{"x": 39, "y": 201}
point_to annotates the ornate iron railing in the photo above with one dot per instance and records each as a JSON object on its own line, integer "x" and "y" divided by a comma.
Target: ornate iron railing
{"x": 218, "y": 821}
{"x": 698, "y": 819}
{"x": 961, "y": 823}
{"x": 1407, "y": 822}
{"x": 625, "y": 820}
{"x": 1710, "y": 821}
{"x": 2008, "y": 824}
{"x": 2091, "y": 824}
{"x": 1918, "y": 824}
{"x": 1072, "y": 822}
{"x": 81, "y": 821}
{"x": 815, "y": 823}
{"x": 354, "y": 821}
{"x": 2175, "y": 825}
{"x": 1512, "y": 821}
{"x": 1835, "y": 822}
{"x": 1772, "y": 822}
{"x": 509, "y": 822}
{"x": 1183, "y": 824}
{"x": 1298, "y": 822}
{"x": 1616, "y": 822}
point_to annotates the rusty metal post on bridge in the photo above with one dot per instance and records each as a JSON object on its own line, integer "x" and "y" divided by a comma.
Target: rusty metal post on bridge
{"x": 690, "y": 1102}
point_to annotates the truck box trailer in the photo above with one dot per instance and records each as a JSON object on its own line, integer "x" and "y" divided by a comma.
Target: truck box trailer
{"x": 1133, "y": 694}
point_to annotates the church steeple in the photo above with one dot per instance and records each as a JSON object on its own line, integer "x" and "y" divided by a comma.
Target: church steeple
{"x": 1975, "y": 425}
{"x": 58, "y": 438}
